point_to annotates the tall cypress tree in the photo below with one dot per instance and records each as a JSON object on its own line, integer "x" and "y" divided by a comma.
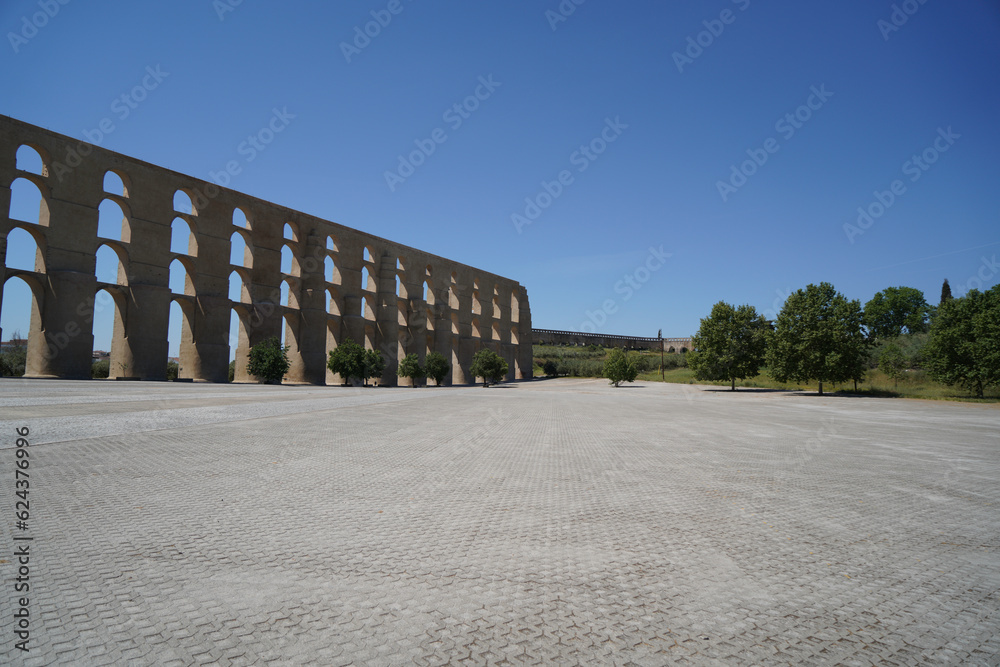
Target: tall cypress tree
{"x": 945, "y": 292}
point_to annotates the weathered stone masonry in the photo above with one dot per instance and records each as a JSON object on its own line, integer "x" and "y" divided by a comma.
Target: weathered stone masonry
{"x": 464, "y": 309}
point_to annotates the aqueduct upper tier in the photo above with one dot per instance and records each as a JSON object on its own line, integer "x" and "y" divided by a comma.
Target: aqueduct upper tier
{"x": 319, "y": 281}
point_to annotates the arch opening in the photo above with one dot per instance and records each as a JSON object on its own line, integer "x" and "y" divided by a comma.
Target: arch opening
{"x": 330, "y": 271}
{"x": 182, "y": 203}
{"x": 112, "y": 221}
{"x": 27, "y": 203}
{"x": 20, "y": 308}
{"x": 286, "y": 294}
{"x": 110, "y": 267}
{"x": 239, "y": 291}
{"x": 180, "y": 339}
{"x": 289, "y": 262}
{"x": 240, "y": 218}
{"x": 240, "y": 251}
{"x": 109, "y": 335}
{"x": 30, "y": 160}
{"x": 23, "y": 252}
{"x": 180, "y": 281}
{"x": 114, "y": 184}
{"x": 333, "y": 305}
{"x": 182, "y": 238}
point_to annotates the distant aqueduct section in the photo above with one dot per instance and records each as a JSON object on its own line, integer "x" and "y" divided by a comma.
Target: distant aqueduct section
{"x": 553, "y": 337}
{"x": 273, "y": 266}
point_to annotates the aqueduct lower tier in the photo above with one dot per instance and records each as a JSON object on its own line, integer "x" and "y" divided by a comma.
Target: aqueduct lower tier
{"x": 319, "y": 281}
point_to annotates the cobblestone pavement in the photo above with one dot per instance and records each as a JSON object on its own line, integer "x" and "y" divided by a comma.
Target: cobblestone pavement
{"x": 548, "y": 522}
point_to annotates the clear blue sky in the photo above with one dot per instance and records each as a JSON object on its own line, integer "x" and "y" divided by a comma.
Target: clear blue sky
{"x": 880, "y": 94}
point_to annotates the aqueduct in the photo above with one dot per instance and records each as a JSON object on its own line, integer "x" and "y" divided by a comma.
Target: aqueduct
{"x": 558, "y": 337}
{"x": 276, "y": 268}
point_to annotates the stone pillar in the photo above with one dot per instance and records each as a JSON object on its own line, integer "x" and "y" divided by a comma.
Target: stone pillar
{"x": 524, "y": 335}
{"x": 311, "y": 335}
{"x": 265, "y": 318}
{"x": 66, "y": 347}
{"x": 387, "y": 319}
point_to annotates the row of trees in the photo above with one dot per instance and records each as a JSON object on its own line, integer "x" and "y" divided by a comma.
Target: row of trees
{"x": 820, "y": 335}
{"x": 269, "y": 362}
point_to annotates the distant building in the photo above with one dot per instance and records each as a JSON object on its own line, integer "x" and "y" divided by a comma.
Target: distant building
{"x": 101, "y": 355}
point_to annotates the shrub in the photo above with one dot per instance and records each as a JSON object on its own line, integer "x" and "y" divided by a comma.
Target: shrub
{"x": 620, "y": 367}
{"x": 410, "y": 367}
{"x": 100, "y": 369}
{"x": 490, "y": 366}
{"x": 268, "y": 360}
{"x": 374, "y": 365}
{"x": 437, "y": 367}
{"x": 173, "y": 368}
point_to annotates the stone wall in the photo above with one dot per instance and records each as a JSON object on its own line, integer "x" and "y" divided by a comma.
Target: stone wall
{"x": 338, "y": 282}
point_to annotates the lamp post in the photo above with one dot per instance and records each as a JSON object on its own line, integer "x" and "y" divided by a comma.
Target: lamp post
{"x": 659, "y": 334}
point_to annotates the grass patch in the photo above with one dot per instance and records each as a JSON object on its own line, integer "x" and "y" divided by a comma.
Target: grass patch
{"x": 589, "y": 361}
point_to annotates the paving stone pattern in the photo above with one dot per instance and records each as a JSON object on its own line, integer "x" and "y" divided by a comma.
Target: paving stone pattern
{"x": 547, "y": 522}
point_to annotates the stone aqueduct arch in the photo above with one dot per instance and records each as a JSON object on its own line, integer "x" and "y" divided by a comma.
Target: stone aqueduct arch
{"x": 411, "y": 301}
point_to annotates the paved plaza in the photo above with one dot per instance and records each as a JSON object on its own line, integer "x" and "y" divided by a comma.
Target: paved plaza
{"x": 546, "y": 522}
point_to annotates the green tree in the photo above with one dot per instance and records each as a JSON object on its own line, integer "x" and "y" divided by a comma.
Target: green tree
{"x": 620, "y": 367}
{"x": 101, "y": 369}
{"x": 490, "y": 366}
{"x": 964, "y": 344}
{"x": 374, "y": 365}
{"x": 945, "y": 293}
{"x": 895, "y": 311}
{"x": 730, "y": 345}
{"x": 268, "y": 360}
{"x": 818, "y": 336}
{"x": 14, "y": 358}
{"x": 410, "y": 367}
{"x": 892, "y": 362}
{"x": 437, "y": 367}
{"x": 348, "y": 361}
{"x": 550, "y": 369}
{"x": 173, "y": 368}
